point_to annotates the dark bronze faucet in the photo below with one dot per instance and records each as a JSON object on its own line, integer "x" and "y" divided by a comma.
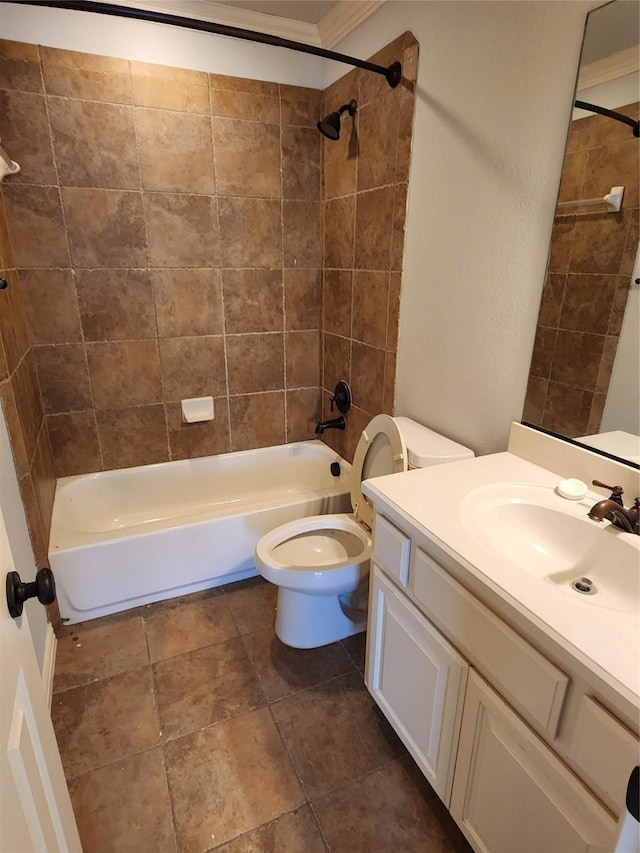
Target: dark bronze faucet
{"x": 334, "y": 423}
{"x": 613, "y": 510}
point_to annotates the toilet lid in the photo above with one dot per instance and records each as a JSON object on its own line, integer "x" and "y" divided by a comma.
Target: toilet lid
{"x": 381, "y": 450}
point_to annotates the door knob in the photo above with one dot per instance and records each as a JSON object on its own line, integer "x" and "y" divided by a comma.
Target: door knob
{"x": 44, "y": 587}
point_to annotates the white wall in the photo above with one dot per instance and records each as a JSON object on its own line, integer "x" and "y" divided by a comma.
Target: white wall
{"x": 18, "y": 533}
{"x": 147, "y": 42}
{"x": 494, "y": 97}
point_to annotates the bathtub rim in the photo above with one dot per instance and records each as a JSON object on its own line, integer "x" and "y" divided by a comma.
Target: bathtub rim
{"x": 62, "y": 539}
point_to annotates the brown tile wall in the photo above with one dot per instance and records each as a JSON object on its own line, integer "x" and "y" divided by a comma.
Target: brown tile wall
{"x": 365, "y": 179}
{"x": 588, "y": 280}
{"x": 183, "y": 223}
{"x": 22, "y": 404}
{"x": 167, "y": 230}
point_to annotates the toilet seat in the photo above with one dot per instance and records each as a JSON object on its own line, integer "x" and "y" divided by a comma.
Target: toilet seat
{"x": 381, "y": 450}
{"x": 300, "y": 567}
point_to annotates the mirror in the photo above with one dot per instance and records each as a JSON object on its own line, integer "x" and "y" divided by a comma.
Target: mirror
{"x": 584, "y": 378}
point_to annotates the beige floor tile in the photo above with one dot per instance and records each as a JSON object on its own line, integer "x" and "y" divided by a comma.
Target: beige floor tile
{"x": 182, "y": 625}
{"x": 99, "y": 649}
{"x": 124, "y": 807}
{"x": 228, "y": 779}
{"x": 253, "y": 604}
{"x": 105, "y": 721}
{"x": 284, "y": 671}
{"x": 393, "y": 809}
{"x": 204, "y": 687}
{"x": 296, "y": 832}
{"x": 334, "y": 735}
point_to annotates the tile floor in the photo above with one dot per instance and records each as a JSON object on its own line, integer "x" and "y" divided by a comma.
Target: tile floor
{"x": 187, "y": 726}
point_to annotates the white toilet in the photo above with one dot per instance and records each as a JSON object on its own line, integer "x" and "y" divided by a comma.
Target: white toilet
{"x": 318, "y": 563}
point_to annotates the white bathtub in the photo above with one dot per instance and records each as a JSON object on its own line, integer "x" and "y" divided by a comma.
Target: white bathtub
{"x": 136, "y": 535}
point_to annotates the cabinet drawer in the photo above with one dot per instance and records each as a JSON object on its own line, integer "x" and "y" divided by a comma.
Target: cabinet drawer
{"x": 530, "y": 683}
{"x": 605, "y": 752}
{"x": 391, "y": 550}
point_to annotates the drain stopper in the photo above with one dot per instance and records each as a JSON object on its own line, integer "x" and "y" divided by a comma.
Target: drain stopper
{"x": 584, "y": 585}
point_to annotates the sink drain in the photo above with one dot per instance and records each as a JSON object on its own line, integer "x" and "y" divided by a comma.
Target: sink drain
{"x": 583, "y": 585}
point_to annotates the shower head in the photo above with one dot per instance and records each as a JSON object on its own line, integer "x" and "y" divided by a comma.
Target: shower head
{"x": 330, "y": 125}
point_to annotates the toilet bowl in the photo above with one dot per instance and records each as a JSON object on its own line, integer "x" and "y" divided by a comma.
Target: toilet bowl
{"x": 320, "y": 564}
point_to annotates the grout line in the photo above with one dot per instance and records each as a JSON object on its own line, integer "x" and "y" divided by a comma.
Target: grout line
{"x": 303, "y": 790}
{"x": 357, "y": 780}
{"x": 223, "y": 318}
{"x": 173, "y": 402}
{"x": 72, "y": 272}
{"x": 151, "y": 284}
{"x": 256, "y": 828}
{"x": 316, "y": 819}
{"x": 144, "y": 191}
{"x": 285, "y": 372}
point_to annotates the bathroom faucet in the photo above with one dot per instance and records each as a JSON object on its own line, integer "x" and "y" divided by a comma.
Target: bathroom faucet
{"x": 613, "y": 510}
{"x": 334, "y": 423}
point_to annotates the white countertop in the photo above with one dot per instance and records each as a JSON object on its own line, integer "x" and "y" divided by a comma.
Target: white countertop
{"x": 435, "y": 503}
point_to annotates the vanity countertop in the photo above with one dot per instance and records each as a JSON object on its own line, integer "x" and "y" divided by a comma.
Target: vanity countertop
{"x": 441, "y": 504}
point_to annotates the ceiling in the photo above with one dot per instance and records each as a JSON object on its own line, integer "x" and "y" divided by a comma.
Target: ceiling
{"x": 309, "y": 11}
{"x": 318, "y": 22}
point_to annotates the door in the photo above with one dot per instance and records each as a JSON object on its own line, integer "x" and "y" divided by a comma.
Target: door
{"x": 35, "y": 807}
{"x": 511, "y": 794}
{"x": 417, "y": 678}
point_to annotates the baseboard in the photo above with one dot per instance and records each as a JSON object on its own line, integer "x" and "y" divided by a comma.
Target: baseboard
{"x": 49, "y": 662}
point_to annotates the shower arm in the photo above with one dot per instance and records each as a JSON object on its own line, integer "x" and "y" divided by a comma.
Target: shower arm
{"x": 603, "y": 111}
{"x": 392, "y": 73}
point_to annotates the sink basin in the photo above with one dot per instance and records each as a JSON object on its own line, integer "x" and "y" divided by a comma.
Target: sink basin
{"x": 552, "y": 539}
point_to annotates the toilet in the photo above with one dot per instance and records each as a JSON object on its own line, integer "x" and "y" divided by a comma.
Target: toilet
{"x": 320, "y": 564}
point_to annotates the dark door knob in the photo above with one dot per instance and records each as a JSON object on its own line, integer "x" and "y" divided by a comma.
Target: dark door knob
{"x": 44, "y": 587}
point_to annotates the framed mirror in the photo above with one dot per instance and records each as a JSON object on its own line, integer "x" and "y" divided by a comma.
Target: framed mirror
{"x": 584, "y": 380}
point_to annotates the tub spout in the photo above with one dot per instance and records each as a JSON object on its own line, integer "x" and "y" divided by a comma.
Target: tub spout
{"x": 334, "y": 423}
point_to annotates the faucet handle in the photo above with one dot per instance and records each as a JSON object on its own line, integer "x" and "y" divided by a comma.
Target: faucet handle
{"x": 616, "y": 491}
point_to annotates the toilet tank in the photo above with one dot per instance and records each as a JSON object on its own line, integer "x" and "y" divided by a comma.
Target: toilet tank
{"x": 426, "y": 447}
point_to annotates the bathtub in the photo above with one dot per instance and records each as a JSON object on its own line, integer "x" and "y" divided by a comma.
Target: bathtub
{"x": 132, "y": 536}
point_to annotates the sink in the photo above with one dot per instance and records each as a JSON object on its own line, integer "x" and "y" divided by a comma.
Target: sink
{"x": 551, "y": 539}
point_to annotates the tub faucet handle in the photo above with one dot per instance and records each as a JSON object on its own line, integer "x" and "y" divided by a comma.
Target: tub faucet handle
{"x": 341, "y": 397}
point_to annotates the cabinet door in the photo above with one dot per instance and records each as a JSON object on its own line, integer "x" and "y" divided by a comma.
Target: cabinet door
{"x": 418, "y": 680}
{"x": 511, "y": 794}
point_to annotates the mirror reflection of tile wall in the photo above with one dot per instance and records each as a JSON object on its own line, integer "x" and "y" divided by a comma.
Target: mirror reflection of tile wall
{"x": 588, "y": 279}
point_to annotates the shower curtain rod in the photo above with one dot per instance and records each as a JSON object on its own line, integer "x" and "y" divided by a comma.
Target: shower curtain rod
{"x": 603, "y": 111}
{"x": 392, "y": 74}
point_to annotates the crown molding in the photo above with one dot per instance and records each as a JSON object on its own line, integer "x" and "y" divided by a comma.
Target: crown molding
{"x": 345, "y": 16}
{"x": 233, "y": 16}
{"x": 617, "y": 65}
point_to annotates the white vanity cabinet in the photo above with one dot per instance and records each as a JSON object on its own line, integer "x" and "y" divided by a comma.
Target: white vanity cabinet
{"x": 484, "y": 712}
{"x": 511, "y": 793}
{"x": 418, "y": 679}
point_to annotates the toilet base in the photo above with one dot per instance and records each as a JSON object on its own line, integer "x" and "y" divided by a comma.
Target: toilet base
{"x": 306, "y": 621}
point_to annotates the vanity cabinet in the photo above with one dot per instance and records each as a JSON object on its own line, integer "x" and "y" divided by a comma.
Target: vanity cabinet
{"x": 418, "y": 679}
{"x": 501, "y": 763}
{"x": 485, "y": 713}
